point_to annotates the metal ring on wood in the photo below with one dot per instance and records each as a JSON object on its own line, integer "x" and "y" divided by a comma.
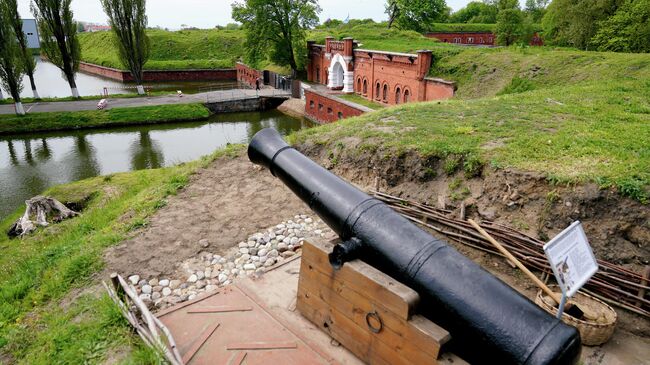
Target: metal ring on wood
{"x": 374, "y": 315}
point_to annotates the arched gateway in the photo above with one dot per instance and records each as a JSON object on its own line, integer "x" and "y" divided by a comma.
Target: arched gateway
{"x": 339, "y": 76}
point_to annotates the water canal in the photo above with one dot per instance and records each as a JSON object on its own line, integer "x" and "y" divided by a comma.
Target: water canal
{"x": 30, "y": 163}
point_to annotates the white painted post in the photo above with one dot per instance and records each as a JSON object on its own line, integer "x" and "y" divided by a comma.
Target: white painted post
{"x": 348, "y": 81}
{"x": 36, "y": 96}
{"x": 140, "y": 90}
{"x": 19, "y": 108}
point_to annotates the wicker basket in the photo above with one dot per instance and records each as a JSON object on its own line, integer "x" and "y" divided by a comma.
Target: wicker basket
{"x": 593, "y": 333}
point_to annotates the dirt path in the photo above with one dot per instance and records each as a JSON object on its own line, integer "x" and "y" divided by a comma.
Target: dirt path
{"x": 223, "y": 203}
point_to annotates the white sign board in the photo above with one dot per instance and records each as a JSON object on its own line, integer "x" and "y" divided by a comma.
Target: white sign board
{"x": 571, "y": 258}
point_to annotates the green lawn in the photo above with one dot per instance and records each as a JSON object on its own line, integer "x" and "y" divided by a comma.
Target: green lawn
{"x": 52, "y": 121}
{"x": 595, "y": 131}
{"x": 48, "y": 315}
{"x": 186, "y": 49}
{"x": 355, "y": 98}
{"x": 87, "y": 97}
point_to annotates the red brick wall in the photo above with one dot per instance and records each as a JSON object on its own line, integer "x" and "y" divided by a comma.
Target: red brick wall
{"x": 153, "y": 75}
{"x": 476, "y": 38}
{"x": 326, "y": 109}
{"x": 247, "y": 74}
{"x": 437, "y": 89}
{"x": 399, "y": 77}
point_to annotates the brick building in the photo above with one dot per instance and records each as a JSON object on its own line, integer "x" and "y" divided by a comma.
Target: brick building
{"x": 387, "y": 77}
{"x": 476, "y": 38}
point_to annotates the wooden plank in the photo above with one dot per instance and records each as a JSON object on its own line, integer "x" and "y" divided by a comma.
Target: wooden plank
{"x": 270, "y": 345}
{"x": 418, "y": 334}
{"x": 395, "y": 296}
{"x": 196, "y": 346}
{"x": 363, "y": 343}
{"x": 165, "y": 312}
{"x": 219, "y": 309}
{"x": 238, "y": 358}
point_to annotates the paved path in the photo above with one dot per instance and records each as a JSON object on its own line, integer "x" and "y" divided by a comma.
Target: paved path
{"x": 207, "y": 97}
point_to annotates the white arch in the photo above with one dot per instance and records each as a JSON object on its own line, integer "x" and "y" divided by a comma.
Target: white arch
{"x": 339, "y": 74}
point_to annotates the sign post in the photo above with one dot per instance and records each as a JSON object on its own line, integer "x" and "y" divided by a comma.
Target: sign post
{"x": 572, "y": 260}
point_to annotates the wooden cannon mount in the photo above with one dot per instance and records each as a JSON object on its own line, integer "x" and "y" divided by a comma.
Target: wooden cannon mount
{"x": 365, "y": 310}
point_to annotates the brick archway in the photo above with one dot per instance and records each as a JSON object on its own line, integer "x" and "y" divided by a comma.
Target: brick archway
{"x": 339, "y": 75}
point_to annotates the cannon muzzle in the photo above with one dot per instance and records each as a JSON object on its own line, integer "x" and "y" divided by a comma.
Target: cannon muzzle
{"x": 489, "y": 322}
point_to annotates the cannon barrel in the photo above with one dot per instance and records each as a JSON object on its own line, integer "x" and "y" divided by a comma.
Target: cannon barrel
{"x": 489, "y": 322}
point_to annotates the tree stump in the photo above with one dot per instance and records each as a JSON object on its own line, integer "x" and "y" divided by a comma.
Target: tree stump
{"x": 41, "y": 208}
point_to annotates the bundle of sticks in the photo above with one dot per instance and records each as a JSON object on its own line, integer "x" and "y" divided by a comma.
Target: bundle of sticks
{"x": 612, "y": 283}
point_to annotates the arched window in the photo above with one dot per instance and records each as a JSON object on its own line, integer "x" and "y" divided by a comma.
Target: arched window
{"x": 385, "y": 94}
{"x": 359, "y": 85}
{"x": 377, "y": 88}
{"x": 407, "y": 95}
{"x": 365, "y": 87}
{"x": 398, "y": 95}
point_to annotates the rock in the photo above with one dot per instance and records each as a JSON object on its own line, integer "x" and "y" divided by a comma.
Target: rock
{"x": 252, "y": 251}
{"x": 174, "y": 284}
{"x": 249, "y": 267}
{"x": 286, "y": 254}
{"x": 193, "y": 278}
{"x": 280, "y": 238}
{"x": 145, "y": 297}
{"x": 184, "y": 285}
{"x": 184, "y": 297}
{"x": 134, "y": 279}
{"x": 146, "y": 289}
{"x": 282, "y": 247}
{"x": 191, "y": 297}
{"x": 156, "y": 296}
{"x": 273, "y": 253}
{"x": 262, "y": 252}
{"x": 255, "y": 258}
{"x": 177, "y": 292}
{"x": 164, "y": 282}
{"x": 245, "y": 257}
{"x": 251, "y": 243}
{"x": 488, "y": 213}
{"x": 269, "y": 262}
{"x": 294, "y": 240}
{"x": 227, "y": 282}
{"x": 308, "y": 220}
{"x": 142, "y": 282}
{"x": 153, "y": 282}
{"x": 208, "y": 273}
{"x": 200, "y": 275}
{"x": 243, "y": 245}
{"x": 243, "y": 251}
{"x": 318, "y": 232}
{"x": 234, "y": 271}
{"x": 200, "y": 284}
{"x": 223, "y": 278}
{"x": 210, "y": 287}
{"x": 166, "y": 292}
{"x": 257, "y": 264}
{"x": 204, "y": 243}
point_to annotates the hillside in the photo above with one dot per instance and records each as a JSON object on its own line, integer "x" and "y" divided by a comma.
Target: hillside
{"x": 187, "y": 49}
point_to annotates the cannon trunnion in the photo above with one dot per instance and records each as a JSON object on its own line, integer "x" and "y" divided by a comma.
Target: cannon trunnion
{"x": 489, "y": 322}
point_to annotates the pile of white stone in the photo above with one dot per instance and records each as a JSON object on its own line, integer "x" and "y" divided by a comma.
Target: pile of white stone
{"x": 208, "y": 271}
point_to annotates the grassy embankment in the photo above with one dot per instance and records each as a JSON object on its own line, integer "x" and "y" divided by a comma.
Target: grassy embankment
{"x": 574, "y": 116}
{"x": 52, "y": 121}
{"x": 87, "y": 97}
{"x": 52, "y": 308}
{"x": 187, "y": 49}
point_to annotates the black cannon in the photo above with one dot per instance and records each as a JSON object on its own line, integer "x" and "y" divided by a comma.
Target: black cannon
{"x": 494, "y": 323}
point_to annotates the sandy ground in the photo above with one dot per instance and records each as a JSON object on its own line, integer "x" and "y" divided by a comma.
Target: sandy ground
{"x": 223, "y": 203}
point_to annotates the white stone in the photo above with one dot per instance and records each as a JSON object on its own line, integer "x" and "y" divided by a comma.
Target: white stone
{"x": 269, "y": 262}
{"x": 245, "y": 257}
{"x": 249, "y": 267}
{"x": 134, "y": 279}
{"x": 146, "y": 289}
{"x": 273, "y": 253}
{"x": 191, "y": 297}
{"x": 243, "y": 245}
{"x": 223, "y": 278}
{"x": 174, "y": 284}
{"x": 243, "y": 251}
{"x": 193, "y": 278}
{"x": 255, "y": 258}
{"x": 252, "y": 243}
{"x": 308, "y": 220}
{"x": 163, "y": 282}
{"x": 234, "y": 271}
{"x": 145, "y": 297}
{"x": 262, "y": 252}
{"x": 200, "y": 275}
{"x": 155, "y": 296}
{"x": 153, "y": 282}
{"x": 282, "y": 247}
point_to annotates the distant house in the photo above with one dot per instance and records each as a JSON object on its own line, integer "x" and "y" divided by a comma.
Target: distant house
{"x": 475, "y": 38}
{"x": 96, "y": 28}
{"x": 31, "y": 33}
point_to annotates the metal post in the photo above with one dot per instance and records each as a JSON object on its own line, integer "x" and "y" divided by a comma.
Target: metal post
{"x": 560, "y": 309}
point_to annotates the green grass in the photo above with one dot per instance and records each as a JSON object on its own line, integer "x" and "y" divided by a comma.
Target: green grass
{"x": 186, "y": 49}
{"x": 595, "y": 131}
{"x": 52, "y": 121}
{"x": 87, "y": 97}
{"x": 52, "y": 310}
{"x": 355, "y": 98}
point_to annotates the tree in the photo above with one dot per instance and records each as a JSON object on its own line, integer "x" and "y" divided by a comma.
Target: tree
{"x": 11, "y": 67}
{"x": 475, "y": 12}
{"x": 575, "y": 22}
{"x": 628, "y": 30}
{"x": 536, "y": 9}
{"x": 129, "y": 23}
{"x": 275, "y": 29}
{"x": 13, "y": 17}
{"x": 510, "y": 26}
{"x": 417, "y": 15}
{"x": 59, "y": 37}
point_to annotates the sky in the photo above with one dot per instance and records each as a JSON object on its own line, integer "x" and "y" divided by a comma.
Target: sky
{"x": 209, "y": 13}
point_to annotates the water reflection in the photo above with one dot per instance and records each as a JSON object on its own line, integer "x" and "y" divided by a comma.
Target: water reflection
{"x": 31, "y": 163}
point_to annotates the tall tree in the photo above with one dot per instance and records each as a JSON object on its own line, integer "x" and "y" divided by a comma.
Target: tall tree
{"x": 476, "y": 12}
{"x": 575, "y": 22}
{"x": 275, "y": 29}
{"x": 11, "y": 68}
{"x": 29, "y": 65}
{"x": 536, "y": 9}
{"x": 628, "y": 30}
{"x": 129, "y": 23}
{"x": 59, "y": 37}
{"x": 510, "y": 26}
{"x": 417, "y": 15}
